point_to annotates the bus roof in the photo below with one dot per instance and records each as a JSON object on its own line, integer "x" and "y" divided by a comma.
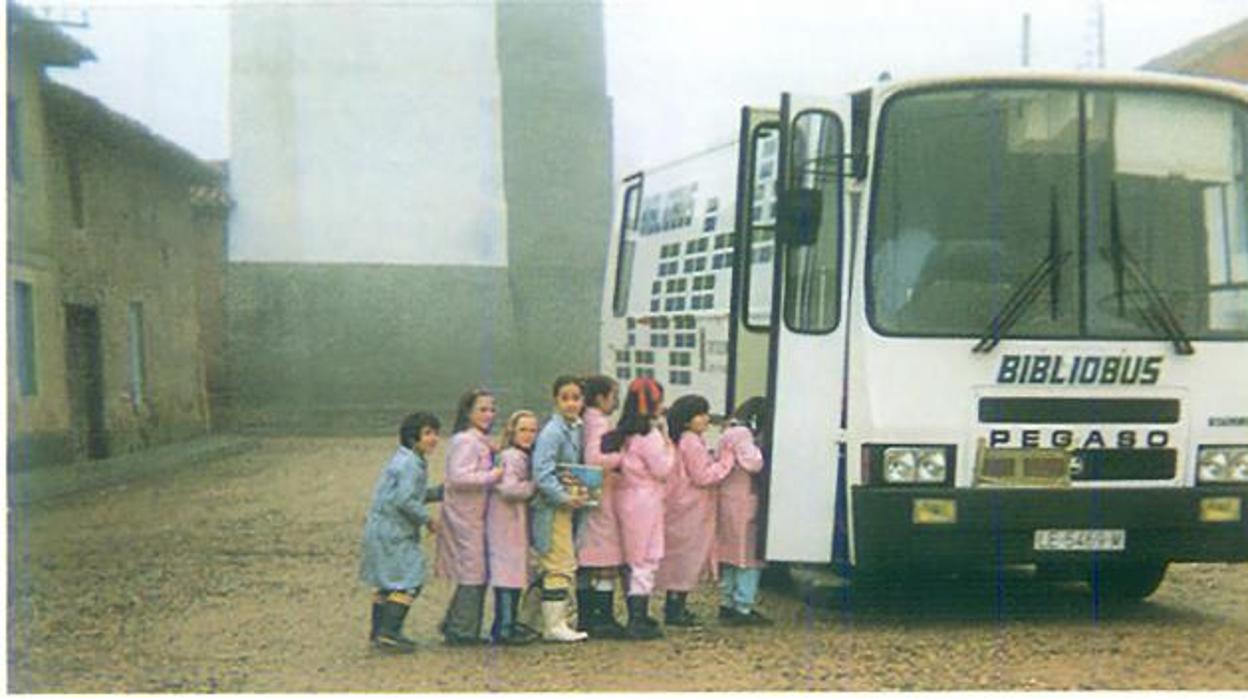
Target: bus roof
{"x": 1133, "y": 78}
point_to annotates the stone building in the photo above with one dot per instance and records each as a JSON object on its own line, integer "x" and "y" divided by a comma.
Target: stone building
{"x": 424, "y": 195}
{"x": 115, "y": 266}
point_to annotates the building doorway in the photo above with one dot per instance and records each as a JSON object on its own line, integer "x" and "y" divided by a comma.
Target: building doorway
{"x": 85, "y": 377}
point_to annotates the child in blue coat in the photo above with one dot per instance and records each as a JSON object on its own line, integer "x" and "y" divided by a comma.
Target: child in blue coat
{"x": 391, "y": 560}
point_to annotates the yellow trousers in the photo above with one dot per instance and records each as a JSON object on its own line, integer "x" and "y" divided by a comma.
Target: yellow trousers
{"x": 558, "y": 564}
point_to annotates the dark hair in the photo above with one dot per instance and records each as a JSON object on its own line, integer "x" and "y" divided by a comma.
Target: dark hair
{"x": 683, "y": 411}
{"x": 598, "y": 386}
{"x": 753, "y": 414}
{"x": 562, "y": 381}
{"x": 633, "y": 419}
{"x": 413, "y": 425}
{"x": 464, "y": 408}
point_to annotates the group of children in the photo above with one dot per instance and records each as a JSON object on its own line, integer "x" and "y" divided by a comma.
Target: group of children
{"x": 671, "y": 512}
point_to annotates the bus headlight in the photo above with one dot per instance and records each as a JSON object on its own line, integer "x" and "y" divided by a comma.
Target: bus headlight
{"x": 1239, "y": 467}
{"x": 899, "y": 465}
{"x": 932, "y": 468}
{"x": 904, "y": 465}
{"x": 1221, "y": 464}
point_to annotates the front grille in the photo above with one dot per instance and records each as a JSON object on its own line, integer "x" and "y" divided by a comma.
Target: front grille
{"x": 1026, "y": 410}
{"x": 1125, "y": 464}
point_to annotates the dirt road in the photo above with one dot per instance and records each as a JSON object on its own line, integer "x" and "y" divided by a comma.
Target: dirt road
{"x": 239, "y": 576}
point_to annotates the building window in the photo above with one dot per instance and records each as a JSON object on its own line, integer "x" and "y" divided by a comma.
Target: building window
{"x": 622, "y": 373}
{"x": 15, "y": 140}
{"x": 658, "y": 340}
{"x": 645, "y": 373}
{"x": 74, "y": 167}
{"x": 621, "y": 357}
{"x": 712, "y": 204}
{"x": 685, "y": 340}
{"x": 632, "y": 339}
{"x": 24, "y": 325}
{"x": 644, "y": 357}
{"x": 658, "y": 323}
{"x": 654, "y": 305}
{"x": 708, "y": 225}
{"x": 679, "y": 358}
{"x": 656, "y": 288}
{"x": 680, "y": 378}
{"x": 138, "y": 367}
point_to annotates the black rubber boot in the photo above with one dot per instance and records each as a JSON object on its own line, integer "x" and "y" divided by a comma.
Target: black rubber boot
{"x": 390, "y": 635}
{"x": 506, "y": 630}
{"x": 676, "y": 611}
{"x": 376, "y": 626}
{"x": 640, "y": 626}
{"x": 602, "y": 624}
{"x": 462, "y": 624}
{"x": 585, "y": 610}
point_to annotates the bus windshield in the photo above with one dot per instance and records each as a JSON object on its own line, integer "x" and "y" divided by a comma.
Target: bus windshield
{"x": 1131, "y": 203}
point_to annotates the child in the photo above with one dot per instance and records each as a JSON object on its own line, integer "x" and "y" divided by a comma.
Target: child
{"x": 689, "y": 509}
{"x": 507, "y": 529}
{"x": 392, "y": 561}
{"x": 470, "y": 471}
{"x": 736, "y": 530}
{"x": 645, "y": 464}
{"x": 558, "y": 442}
{"x": 599, "y": 553}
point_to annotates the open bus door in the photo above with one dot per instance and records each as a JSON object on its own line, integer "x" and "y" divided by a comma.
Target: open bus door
{"x": 754, "y": 245}
{"x": 806, "y": 519}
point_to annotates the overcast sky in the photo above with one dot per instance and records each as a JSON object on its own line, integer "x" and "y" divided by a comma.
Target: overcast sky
{"x": 678, "y": 70}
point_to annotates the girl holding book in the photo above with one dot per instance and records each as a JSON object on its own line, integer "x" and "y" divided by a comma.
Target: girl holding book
{"x": 560, "y": 441}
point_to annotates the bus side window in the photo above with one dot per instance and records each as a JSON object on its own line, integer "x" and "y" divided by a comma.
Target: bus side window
{"x": 758, "y": 235}
{"x": 628, "y": 245}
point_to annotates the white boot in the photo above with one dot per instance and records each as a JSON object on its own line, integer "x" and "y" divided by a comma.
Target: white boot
{"x": 555, "y": 624}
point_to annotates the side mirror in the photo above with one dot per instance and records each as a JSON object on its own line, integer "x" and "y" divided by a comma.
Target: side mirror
{"x": 801, "y": 211}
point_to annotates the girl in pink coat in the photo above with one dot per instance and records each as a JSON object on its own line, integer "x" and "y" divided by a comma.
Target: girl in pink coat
{"x": 470, "y": 471}
{"x": 507, "y": 529}
{"x": 599, "y": 551}
{"x": 646, "y": 462}
{"x": 689, "y": 509}
{"x": 736, "y": 529}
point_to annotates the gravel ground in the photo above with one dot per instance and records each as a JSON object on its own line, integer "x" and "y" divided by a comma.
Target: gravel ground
{"x": 239, "y": 576}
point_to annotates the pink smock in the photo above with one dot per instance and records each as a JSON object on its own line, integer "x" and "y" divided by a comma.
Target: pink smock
{"x": 461, "y": 538}
{"x": 599, "y": 542}
{"x": 736, "y": 526}
{"x": 689, "y": 511}
{"x": 645, "y": 464}
{"x": 507, "y": 522}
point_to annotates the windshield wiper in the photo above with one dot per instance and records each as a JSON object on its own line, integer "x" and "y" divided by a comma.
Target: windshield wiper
{"x": 1157, "y": 311}
{"x": 1027, "y": 292}
{"x": 1018, "y": 301}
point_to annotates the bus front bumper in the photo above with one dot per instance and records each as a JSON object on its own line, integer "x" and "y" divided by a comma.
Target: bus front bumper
{"x": 1001, "y": 526}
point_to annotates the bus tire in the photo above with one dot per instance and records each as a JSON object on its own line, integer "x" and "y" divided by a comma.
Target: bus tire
{"x": 1126, "y": 582}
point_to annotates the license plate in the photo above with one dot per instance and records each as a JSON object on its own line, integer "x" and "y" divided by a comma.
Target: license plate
{"x": 1081, "y": 539}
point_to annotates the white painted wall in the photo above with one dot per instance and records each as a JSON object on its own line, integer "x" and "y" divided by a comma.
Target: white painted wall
{"x": 366, "y": 134}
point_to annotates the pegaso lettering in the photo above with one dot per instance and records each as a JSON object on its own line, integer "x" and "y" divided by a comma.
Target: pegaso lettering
{"x": 1068, "y": 438}
{"x": 1043, "y": 369}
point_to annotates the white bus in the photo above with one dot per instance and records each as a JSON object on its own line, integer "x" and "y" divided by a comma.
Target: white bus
{"x": 998, "y": 319}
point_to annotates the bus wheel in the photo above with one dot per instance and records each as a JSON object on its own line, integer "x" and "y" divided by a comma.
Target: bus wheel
{"x": 1126, "y": 581}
